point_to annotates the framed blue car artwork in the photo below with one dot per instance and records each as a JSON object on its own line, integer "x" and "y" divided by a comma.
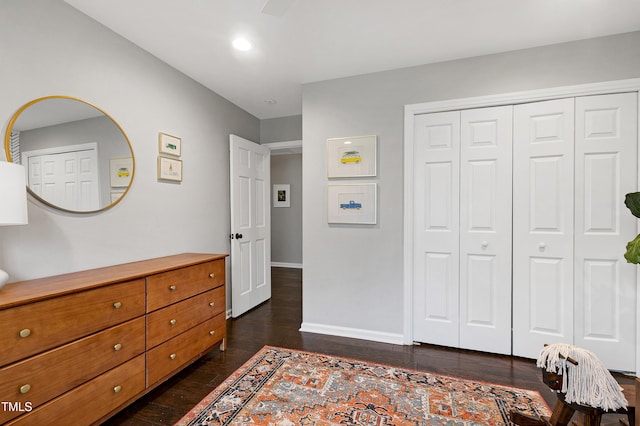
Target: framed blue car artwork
{"x": 352, "y": 204}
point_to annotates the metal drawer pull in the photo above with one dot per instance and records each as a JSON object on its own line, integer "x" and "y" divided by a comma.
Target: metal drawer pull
{"x": 25, "y": 388}
{"x": 212, "y": 275}
{"x": 117, "y": 347}
{"x": 117, "y": 389}
{"x": 173, "y": 322}
{"x": 172, "y": 356}
{"x": 212, "y": 332}
{"x": 117, "y": 305}
{"x": 25, "y": 333}
{"x": 212, "y": 304}
{"x": 172, "y": 287}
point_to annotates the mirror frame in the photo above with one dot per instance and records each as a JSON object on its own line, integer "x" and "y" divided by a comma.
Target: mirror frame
{"x": 7, "y": 149}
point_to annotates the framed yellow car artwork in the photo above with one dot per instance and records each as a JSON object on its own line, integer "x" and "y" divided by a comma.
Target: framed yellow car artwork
{"x": 351, "y": 156}
{"x": 120, "y": 171}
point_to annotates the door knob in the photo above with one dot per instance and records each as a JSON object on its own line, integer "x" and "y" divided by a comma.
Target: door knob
{"x": 238, "y": 236}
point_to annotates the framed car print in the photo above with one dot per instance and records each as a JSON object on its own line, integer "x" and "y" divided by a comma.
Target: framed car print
{"x": 351, "y": 157}
{"x": 168, "y": 144}
{"x": 120, "y": 172}
{"x": 354, "y": 204}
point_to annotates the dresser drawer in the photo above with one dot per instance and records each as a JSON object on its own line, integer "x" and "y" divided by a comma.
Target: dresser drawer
{"x": 172, "y": 286}
{"x": 29, "y": 329}
{"x": 184, "y": 348}
{"x": 168, "y": 322}
{"x": 43, "y": 377}
{"x": 90, "y": 402}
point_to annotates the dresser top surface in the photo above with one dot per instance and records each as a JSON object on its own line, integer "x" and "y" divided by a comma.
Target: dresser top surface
{"x": 22, "y": 292}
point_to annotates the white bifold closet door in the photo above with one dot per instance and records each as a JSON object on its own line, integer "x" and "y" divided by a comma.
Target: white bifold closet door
{"x": 436, "y": 228}
{"x": 574, "y": 161}
{"x": 605, "y": 284}
{"x": 462, "y": 263}
{"x": 543, "y": 188}
{"x": 66, "y": 179}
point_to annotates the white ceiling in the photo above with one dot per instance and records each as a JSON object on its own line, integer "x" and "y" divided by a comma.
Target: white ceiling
{"x": 302, "y": 41}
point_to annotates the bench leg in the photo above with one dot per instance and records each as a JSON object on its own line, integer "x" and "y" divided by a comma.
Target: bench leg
{"x": 562, "y": 414}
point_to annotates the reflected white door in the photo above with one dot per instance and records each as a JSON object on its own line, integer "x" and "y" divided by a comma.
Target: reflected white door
{"x": 605, "y": 284}
{"x": 250, "y": 225}
{"x": 68, "y": 179}
{"x": 542, "y": 225}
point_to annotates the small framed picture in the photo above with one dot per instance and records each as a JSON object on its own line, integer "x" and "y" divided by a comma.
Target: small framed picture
{"x": 169, "y": 169}
{"x": 354, "y": 204}
{"x": 168, "y": 144}
{"x": 120, "y": 172}
{"x": 115, "y": 196}
{"x": 351, "y": 157}
{"x": 282, "y": 195}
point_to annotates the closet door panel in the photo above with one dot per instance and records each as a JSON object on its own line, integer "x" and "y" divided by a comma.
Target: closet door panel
{"x": 436, "y": 232}
{"x": 605, "y": 285}
{"x": 542, "y": 225}
{"x": 485, "y": 229}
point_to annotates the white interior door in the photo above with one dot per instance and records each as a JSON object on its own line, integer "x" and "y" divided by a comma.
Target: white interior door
{"x": 605, "y": 284}
{"x": 250, "y": 225}
{"x": 542, "y": 225}
{"x": 436, "y": 228}
{"x": 485, "y": 229}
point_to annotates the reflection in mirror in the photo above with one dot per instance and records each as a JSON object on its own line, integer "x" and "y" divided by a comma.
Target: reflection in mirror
{"x": 77, "y": 157}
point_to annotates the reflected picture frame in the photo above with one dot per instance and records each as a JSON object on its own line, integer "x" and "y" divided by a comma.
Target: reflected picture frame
{"x": 120, "y": 172}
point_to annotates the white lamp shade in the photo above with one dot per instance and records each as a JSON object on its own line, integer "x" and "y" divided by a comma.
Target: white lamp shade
{"x": 13, "y": 194}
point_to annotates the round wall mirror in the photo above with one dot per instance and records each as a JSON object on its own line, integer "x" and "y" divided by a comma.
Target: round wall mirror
{"x": 77, "y": 158}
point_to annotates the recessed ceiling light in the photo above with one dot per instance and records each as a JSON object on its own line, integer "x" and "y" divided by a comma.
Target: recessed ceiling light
{"x": 242, "y": 44}
{"x": 270, "y": 101}
{"x": 347, "y": 142}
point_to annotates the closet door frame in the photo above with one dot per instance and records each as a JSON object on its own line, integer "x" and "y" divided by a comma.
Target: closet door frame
{"x": 601, "y": 88}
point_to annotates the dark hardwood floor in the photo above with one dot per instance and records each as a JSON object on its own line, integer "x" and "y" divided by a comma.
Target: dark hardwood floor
{"x": 276, "y": 323}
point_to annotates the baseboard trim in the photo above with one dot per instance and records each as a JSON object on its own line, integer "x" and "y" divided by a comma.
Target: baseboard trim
{"x": 354, "y": 333}
{"x": 286, "y": 265}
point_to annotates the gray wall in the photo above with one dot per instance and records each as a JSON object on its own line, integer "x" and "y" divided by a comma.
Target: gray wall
{"x": 281, "y": 129}
{"x": 286, "y": 222}
{"x": 353, "y": 275}
{"x": 51, "y": 49}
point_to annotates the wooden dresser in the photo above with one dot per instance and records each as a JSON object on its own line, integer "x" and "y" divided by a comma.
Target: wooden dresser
{"x": 79, "y": 347}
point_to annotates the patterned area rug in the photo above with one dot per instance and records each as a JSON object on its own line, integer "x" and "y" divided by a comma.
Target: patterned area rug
{"x": 286, "y": 387}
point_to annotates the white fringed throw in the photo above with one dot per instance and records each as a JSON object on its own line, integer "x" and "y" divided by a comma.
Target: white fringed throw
{"x": 588, "y": 383}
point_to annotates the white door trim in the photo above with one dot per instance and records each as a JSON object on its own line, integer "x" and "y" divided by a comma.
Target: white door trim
{"x": 285, "y": 146}
{"x": 410, "y": 111}
{"x": 89, "y": 146}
